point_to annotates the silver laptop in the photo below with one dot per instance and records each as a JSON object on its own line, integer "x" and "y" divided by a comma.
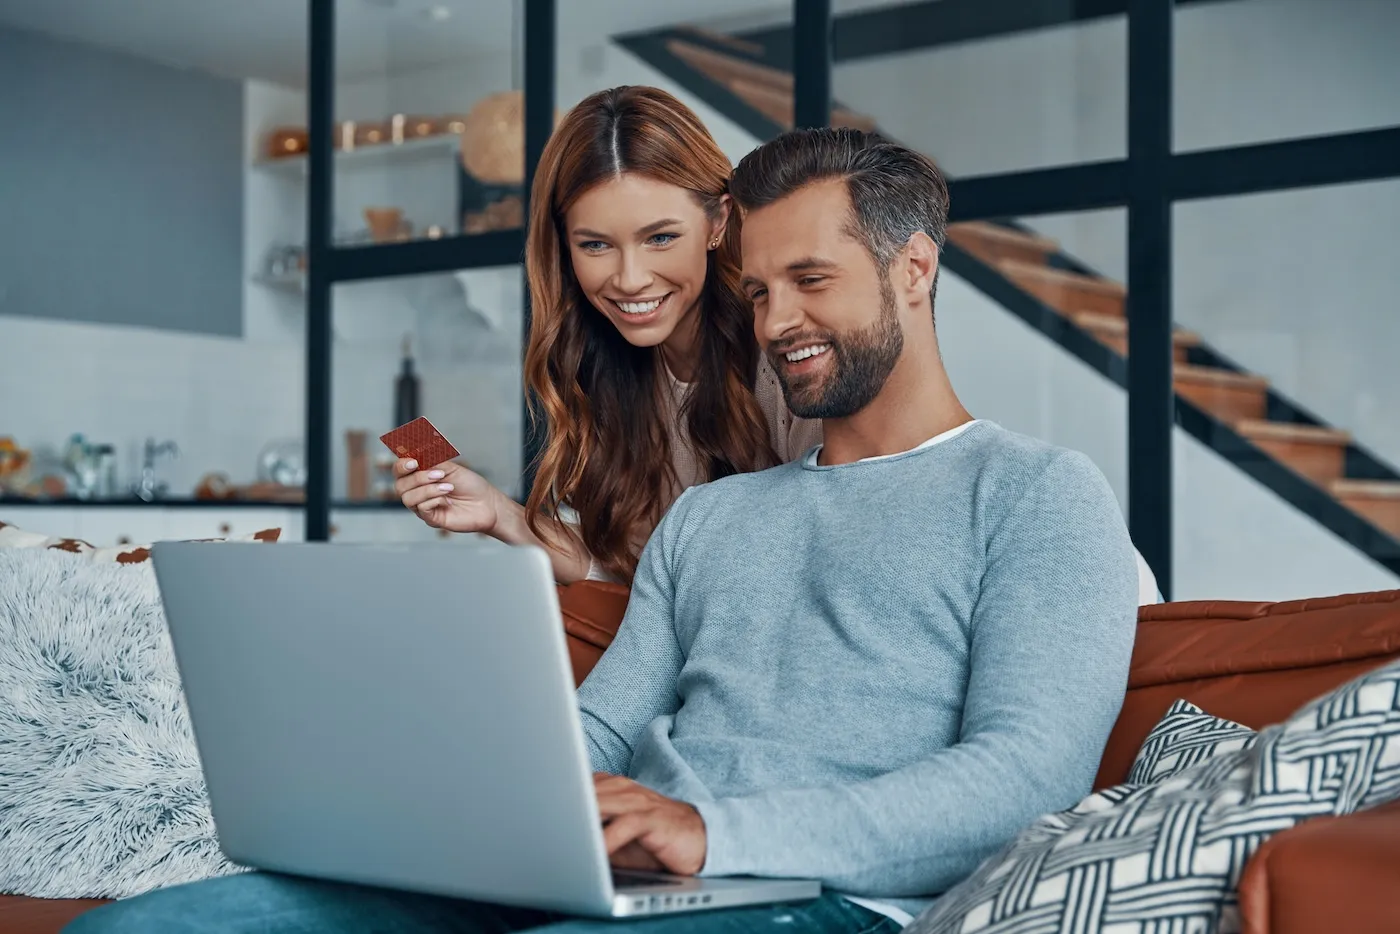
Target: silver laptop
{"x": 403, "y": 716}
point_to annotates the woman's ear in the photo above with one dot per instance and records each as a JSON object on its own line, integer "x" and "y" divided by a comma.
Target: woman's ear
{"x": 721, "y": 221}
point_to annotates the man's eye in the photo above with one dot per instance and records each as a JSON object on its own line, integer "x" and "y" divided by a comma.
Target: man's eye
{"x": 809, "y": 280}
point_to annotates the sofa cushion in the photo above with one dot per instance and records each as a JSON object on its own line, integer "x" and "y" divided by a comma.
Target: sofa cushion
{"x": 12, "y": 536}
{"x": 1170, "y": 854}
{"x": 1253, "y": 663}
{"x": 1186, "y": 736}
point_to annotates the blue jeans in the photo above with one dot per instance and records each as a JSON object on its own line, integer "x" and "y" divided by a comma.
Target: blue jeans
{"x": 267, "y": 903}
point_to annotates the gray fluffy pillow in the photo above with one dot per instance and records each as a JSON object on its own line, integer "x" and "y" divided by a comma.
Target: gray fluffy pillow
{"x": 101, "y": 790}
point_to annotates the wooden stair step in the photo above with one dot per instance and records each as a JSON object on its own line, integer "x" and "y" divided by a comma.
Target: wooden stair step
{"x": 1316, "y": 452}
{"x": 1113, "y": 331}
{"x": 719, "y": 38}
{"x": 1292, "y": 431}
{"x": 723, "y": 67}
{"x": 1377, "y": 501}
{"x": 993, "y": 243}
{"x": 776, "y": 104}
{"x": 766, "y": 89}
{"x": 1065, "y": 291}
{"x": 1227, "y": 395}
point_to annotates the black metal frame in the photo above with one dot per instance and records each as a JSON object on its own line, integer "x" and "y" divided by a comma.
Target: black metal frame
{"x": 1147, "y": 182}
{"x": 328, "y": 264}
{"x": 1151, "y": 395}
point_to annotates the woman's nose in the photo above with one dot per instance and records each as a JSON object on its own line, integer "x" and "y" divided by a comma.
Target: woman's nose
{"x": 633, "y": 276}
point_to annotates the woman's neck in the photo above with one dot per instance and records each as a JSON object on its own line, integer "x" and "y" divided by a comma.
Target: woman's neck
{"x": 680, "y": 351}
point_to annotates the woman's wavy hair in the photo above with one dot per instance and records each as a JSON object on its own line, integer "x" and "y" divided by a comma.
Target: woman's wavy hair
{"x": 607, "y": 451}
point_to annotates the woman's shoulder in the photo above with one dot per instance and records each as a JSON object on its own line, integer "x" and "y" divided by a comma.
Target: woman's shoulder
{"x": 790, "y": 435}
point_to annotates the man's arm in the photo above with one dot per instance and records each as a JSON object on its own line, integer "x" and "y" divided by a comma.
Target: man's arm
{"x": 1051, "y": 639}
{"x": 635, "y": 680}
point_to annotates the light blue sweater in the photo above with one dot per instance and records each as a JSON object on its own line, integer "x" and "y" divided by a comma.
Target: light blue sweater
{"x": 874, "y": 674}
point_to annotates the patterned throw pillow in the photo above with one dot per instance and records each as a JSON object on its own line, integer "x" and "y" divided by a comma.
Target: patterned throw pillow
{"x": 1186, "y": 736}
{"x": 1140, "y": 859}
{"x": 14, "y": 537}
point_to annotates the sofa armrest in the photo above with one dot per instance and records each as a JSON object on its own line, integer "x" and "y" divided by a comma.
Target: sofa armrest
{"x": 1327, "y": 875}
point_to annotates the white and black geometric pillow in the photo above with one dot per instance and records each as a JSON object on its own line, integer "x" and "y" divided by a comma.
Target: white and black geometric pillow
{"x": 1186, "y": 736}
{"x": 1167, "y": 857}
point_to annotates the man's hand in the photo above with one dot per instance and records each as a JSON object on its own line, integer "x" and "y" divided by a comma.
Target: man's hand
{"x": 648, "y": 831}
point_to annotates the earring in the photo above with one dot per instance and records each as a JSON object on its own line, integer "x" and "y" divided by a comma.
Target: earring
{"x": 714, "y": 244}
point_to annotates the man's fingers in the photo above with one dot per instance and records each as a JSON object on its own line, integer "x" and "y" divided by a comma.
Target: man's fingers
{"x": 635, "y": 856}
{"x": 602, "y": 780}
{"x": 616, "y": 803}
{"x": 629, "y": 828}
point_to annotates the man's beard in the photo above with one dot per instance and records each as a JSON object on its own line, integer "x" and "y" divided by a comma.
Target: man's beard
{"x": 861, "y": 362}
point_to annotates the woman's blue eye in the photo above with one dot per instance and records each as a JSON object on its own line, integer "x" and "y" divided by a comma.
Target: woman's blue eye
{"x": 662, "y": 239}
{"x": 593, "y": 246}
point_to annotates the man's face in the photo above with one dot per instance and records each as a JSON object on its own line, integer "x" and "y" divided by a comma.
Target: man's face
{"x": 824, "y": 312}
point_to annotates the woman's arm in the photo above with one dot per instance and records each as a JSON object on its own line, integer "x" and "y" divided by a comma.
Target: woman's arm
{"x": 567, "y": 553}
{"x": 456, "y": 498}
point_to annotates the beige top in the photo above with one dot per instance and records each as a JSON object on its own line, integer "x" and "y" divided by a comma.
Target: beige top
{"x": 790, "y": 436}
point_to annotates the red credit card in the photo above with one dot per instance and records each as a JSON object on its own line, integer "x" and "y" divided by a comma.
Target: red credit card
{"x": 420, "y": 441}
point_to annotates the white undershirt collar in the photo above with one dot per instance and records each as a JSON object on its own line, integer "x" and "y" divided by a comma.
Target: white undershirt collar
{"x": 811, "y": 459}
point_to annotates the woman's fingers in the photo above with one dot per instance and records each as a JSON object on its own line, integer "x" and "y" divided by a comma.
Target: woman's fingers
{"x": 417, "y": 496}
{"x": 423, "y": 479}
{"x": 426, "y": 508}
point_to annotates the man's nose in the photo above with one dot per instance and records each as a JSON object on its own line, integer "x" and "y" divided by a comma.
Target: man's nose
{"x": 779, "y": 316}
{"x": 633, "y": 276}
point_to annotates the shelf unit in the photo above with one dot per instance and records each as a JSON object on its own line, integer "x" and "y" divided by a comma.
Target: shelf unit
{"x": 372, "y": 155}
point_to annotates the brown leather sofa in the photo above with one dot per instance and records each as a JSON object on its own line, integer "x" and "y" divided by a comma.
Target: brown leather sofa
{"x": 1250, "y": 662}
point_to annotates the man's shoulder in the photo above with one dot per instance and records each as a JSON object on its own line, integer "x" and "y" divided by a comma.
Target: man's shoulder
{"x": 1004, "y": 451}
{"x": 736, "y": 493}
{"x": 737, "y": 489}
{"x": 1011, "y": 463}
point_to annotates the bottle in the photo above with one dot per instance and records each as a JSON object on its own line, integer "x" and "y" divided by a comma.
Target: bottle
{"x": 406, "y": 388}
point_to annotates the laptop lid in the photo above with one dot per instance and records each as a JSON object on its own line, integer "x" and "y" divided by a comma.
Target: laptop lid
{"x": 393, "y": 715}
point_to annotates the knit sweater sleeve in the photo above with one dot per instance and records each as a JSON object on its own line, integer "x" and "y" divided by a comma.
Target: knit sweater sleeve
{"x": 1049, "y": 644}
{"x": 635, "y": 681}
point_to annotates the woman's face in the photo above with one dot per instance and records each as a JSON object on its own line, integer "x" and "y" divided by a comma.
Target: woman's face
{"x": 639, "y": 249}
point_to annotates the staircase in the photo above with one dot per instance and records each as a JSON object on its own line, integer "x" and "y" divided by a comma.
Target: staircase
{"x": 1318, "y": 468}
{"x": 1235, "y": 399}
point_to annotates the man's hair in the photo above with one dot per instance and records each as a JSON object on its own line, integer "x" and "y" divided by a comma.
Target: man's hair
{"x": 894, "y": 190}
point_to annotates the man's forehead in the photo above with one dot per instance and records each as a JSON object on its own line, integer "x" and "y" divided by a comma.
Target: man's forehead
{"x": 815, "y": 218}
{"x": 827, "y": 198}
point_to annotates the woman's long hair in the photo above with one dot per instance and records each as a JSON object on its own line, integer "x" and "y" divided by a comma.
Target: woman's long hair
{"x": 608, "y": 453}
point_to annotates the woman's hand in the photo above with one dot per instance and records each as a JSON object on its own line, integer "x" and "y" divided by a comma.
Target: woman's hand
{"x": 448, "y": 496}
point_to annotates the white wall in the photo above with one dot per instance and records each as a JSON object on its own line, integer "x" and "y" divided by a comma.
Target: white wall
{"x": 1246, "y": 71}
{"x": 587, "y": 61}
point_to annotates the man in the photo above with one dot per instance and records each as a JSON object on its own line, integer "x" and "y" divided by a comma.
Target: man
{"x": 873, "y": 666}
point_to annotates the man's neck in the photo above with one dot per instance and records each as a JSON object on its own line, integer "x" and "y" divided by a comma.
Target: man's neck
{"x": 916, "y": 403}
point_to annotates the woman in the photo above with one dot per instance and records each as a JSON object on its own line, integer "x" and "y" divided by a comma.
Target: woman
{"x": 641, "y": 347}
